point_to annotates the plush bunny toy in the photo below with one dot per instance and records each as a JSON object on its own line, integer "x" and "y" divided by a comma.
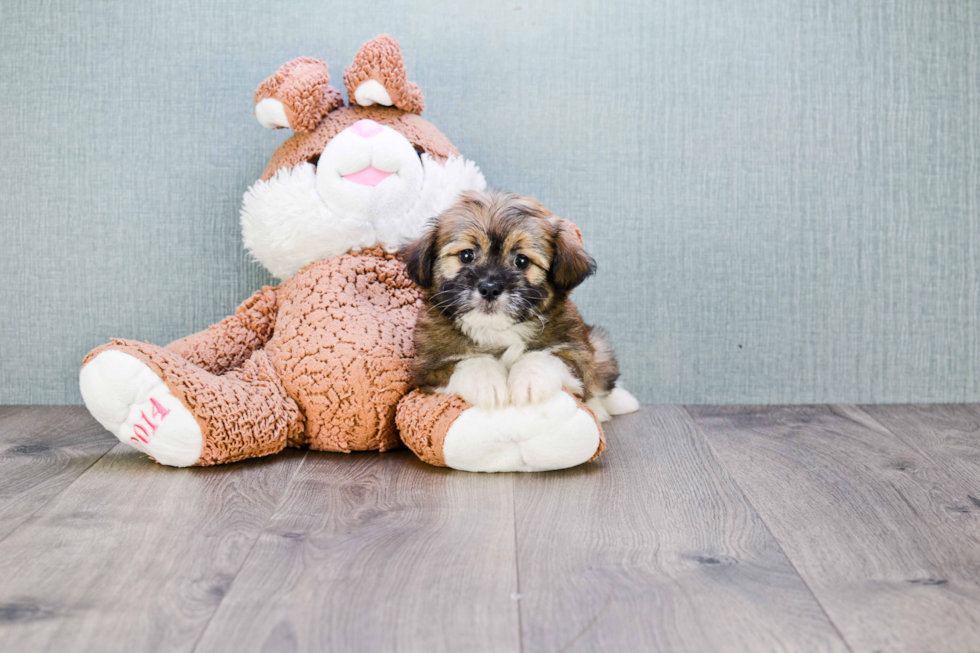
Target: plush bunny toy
{"x": 323, "y": 360}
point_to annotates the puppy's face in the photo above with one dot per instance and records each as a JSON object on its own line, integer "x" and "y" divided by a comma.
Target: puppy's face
{"x": 497, "y": 255}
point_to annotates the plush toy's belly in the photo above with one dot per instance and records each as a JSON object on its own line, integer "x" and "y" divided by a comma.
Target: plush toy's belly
{"x": 343, "y": 346}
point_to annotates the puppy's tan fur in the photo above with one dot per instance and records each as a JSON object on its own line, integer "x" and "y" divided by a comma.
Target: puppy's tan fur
{"x": 533, "y": 315}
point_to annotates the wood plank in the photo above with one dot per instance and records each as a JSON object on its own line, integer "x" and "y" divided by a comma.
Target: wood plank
{"x": 134, "y": 556}
{"x": 871, "y": 522}
{"x": 948, "y": 436}
{"x": 378, "y": 552}
{"x": 43, "y": 449}
{"x": 654, "y": 548}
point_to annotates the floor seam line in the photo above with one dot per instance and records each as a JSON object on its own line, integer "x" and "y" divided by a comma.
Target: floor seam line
{"x": 779, "y": 545}
{"x": 59, "y": 492}
{"x": 891, "y": 432}
{"x": 251, "y": 549}
{"x": 517, "y": 567}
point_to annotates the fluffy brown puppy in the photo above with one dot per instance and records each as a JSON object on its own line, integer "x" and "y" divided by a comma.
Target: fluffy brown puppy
{"x": 498, "y": 327}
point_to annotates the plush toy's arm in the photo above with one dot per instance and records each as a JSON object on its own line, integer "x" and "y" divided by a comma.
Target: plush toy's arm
{"x": 446, "y": 431}
{"x": 229, "y": 343}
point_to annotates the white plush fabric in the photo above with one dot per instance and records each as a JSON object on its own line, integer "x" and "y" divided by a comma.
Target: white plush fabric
{"x": 441, "y": 185}
{"x": 385, "y": 150}
{"x": 552, "y": 435}
{"x": 286, "y": 224}
{"x": 119, "y": 390}
{"x": 372, "y": 92}
{"x": 271, "y": 114}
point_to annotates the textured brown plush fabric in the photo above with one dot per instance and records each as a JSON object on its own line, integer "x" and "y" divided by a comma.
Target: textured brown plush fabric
{"x": 423, "y": 421}
{"x": 307, "y": 146}
{"x": 328, "y": 375}
{"x": 242, "y": 414}
{"x": 602, "y": 434}
{"x": 303, "y": 87}
{"x": 229, "y": 343}
{"x": 344, "y": 344}
{"x": 381, "y": 59}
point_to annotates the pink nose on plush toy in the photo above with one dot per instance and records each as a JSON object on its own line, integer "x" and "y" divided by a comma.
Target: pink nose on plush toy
{"x": 366, "y": 128}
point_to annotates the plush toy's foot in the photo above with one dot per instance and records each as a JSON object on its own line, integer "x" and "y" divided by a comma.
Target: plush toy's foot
{"x": 181, "y": 415}
{"x": 136, "y": 406}
{"x": 444, "y": 430}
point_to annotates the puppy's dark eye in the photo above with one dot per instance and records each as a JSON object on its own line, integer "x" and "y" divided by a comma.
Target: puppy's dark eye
{"x": 522, "y": 262}
{"x": 467, "y": 256}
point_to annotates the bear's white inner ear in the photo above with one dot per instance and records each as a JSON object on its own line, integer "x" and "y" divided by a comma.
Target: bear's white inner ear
{"x": 372, "y": 92}
{"x": 271, "y": 113}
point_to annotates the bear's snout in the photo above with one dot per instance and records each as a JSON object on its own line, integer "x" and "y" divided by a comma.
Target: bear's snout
{"x": 366, "y": 128}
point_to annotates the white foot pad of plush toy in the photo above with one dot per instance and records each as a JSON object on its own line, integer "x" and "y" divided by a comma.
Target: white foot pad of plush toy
{"x": 135, "y": 405}
{"x": 554, "y": 434}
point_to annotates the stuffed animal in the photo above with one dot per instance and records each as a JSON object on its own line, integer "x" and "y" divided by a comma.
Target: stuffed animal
{"x": 323, "y": 360}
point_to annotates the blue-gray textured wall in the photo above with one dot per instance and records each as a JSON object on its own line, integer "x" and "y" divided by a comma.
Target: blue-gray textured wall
{"x": 783, "y": 195}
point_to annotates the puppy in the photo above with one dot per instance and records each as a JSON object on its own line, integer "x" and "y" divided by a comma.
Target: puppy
{"x": 498, "y": 328}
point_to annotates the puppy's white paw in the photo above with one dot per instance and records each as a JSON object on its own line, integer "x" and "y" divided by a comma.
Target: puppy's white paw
{"x": 482, "y": 381}
{"x": 620, "y": 402}
{"x": 537, "y": 377}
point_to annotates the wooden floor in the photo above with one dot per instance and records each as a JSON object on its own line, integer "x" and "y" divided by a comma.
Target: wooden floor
{"x": 806, "y": 528}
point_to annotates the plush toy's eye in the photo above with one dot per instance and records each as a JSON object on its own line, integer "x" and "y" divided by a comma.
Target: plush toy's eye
{"x": 467, "y": 256}
{"x": 522, "y": 262}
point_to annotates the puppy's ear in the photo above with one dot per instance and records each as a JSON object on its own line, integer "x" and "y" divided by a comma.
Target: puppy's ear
{"x": 420, "y": 256}
{"x": 570, "y": 265}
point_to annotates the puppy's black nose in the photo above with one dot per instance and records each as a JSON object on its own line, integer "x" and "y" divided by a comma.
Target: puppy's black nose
{"x": 489, "y": 290}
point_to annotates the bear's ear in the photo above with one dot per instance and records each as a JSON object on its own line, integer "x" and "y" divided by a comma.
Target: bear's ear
{"x": 298, "y": 96}
{"x": 378, "y": 76}
{"x": 420, "y": 257}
